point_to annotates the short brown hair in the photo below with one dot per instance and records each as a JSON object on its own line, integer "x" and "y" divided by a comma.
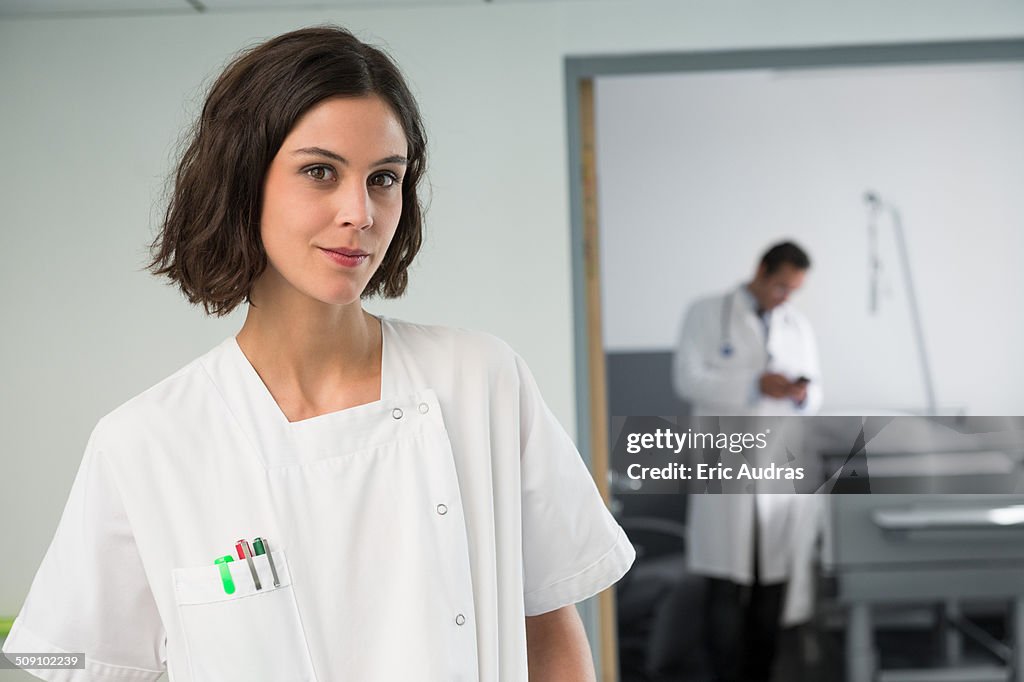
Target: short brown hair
{"x": 209, "y": 243}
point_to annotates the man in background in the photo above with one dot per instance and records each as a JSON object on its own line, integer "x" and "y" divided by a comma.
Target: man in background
{"x": 749, "y": 352}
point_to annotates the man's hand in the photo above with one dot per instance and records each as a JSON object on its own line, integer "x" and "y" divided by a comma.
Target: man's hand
{"x": 798, "y": 392}
{"x": 776, "y": 386}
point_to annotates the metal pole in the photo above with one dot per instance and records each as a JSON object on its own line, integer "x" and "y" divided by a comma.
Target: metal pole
{"x": 915, "y": 312}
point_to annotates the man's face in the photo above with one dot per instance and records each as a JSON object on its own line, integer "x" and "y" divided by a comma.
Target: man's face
{"x": 773, "y": 290}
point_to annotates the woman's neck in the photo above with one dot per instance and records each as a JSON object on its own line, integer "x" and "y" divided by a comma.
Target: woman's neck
{"x": 313, "y": 357}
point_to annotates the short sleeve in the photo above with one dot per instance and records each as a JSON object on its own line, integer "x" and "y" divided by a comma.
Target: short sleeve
{"x": 90, "y": 594}
{"x": 572, "y": 546}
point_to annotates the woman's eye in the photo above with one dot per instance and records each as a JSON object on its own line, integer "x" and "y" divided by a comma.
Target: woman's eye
{"x": 384, "y": 179}
{"x": 319, "y": 173}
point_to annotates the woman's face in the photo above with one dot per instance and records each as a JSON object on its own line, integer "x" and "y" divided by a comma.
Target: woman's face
{"x": 332, "y": 198}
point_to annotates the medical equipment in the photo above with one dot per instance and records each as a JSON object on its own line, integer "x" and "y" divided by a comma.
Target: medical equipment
{"x": 727, "y": 348}
{"x": 922, "y": 547}
{"x": 875, "y": 208}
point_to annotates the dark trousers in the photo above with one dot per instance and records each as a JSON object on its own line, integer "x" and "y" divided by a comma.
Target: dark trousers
{"x": 742, "y": 629}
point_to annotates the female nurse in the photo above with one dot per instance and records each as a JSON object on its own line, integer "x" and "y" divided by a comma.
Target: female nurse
{"x": 421, "y": 514}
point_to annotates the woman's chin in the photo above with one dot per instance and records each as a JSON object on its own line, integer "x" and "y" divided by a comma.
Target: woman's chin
{"x": 341, "y": 297}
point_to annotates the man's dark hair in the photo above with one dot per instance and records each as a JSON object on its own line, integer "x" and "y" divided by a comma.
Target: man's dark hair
{"x": 209, "y": 242}
{"x": 785, "y": 252}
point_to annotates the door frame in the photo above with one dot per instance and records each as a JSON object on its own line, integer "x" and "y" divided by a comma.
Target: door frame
{"x": 580, "y": 74}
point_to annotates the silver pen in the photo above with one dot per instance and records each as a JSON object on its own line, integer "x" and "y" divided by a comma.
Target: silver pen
{"x": 261, "y": 546}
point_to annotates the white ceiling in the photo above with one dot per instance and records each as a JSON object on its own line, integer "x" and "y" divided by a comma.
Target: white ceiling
{"x": 64, "y": 8}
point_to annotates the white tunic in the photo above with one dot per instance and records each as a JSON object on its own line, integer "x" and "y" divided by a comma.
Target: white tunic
{"x": 411, "y": 536}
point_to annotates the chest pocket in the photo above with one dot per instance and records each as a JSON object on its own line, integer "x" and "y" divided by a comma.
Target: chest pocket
{"x": 253, "y": 635}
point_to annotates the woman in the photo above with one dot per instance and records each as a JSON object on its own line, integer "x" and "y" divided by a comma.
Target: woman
{"x": 421, "y": 515}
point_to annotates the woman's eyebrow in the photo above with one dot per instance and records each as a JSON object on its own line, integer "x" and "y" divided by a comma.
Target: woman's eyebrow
{"x": 319, "y": 151}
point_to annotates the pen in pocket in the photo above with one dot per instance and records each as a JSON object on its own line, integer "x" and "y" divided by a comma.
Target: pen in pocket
{"x": 225, "y": 573}
{"x": 242, "y": 547}
{"x": 260, "y": 546}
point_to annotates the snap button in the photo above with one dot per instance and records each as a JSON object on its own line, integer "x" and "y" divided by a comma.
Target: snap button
{"x": 460, "y": 619}
{"x": 423, "y": 408}
{"x": 442, "y": 509}
{"x": 396, "y": 413}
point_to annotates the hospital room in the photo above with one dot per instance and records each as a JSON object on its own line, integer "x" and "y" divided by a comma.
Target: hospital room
{"x": 501, "y": 340}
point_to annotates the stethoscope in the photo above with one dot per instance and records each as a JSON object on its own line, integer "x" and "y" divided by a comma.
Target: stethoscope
{"x": 727, "y": 348}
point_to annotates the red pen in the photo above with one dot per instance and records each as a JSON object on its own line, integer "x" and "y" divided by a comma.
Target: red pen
{"x": 242, "y": 547}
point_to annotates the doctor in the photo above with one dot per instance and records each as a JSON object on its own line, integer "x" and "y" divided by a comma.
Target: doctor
{"x": 421, "y": 513}
{"x": 750, "y": 352}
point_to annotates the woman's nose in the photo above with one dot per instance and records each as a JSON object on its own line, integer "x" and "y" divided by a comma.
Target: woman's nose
{"x": 354, "y": 207}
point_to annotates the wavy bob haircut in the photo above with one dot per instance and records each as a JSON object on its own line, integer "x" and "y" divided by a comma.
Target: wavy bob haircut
{"x": 209, "y": 243}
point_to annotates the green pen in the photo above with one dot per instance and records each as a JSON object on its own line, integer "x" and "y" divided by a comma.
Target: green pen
{"x": 225, "y": 573}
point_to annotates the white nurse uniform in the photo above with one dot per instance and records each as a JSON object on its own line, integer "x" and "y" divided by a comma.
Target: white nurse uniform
{"x": 411, "y": 536}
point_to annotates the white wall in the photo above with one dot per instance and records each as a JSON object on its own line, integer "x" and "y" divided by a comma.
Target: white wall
{"x": 699, "y": 173}
{"x": 91, "y": 109}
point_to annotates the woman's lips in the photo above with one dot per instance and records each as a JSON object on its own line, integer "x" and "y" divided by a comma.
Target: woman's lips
{"x": 348, "y": 258}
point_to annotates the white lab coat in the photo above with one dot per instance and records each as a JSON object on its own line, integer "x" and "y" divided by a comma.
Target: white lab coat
{"x": 717, "y": 383}
{"x": 411, "y": 536}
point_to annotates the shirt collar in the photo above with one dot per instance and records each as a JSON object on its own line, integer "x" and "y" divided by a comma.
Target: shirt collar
{"x": 751, "y": 303}
{"x": 748, "y": 298}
